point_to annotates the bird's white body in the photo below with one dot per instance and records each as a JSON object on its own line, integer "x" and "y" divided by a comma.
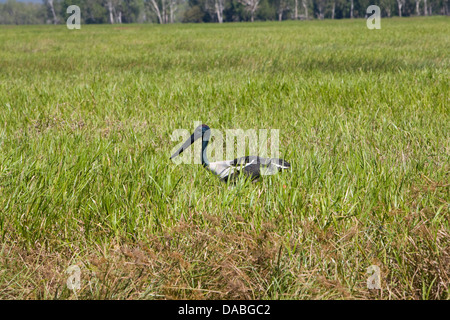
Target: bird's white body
{"x": 221, "y": 168}
{"x": 252, "y": 165}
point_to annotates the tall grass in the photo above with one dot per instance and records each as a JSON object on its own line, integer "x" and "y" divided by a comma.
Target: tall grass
{"x": 85, "y": 177}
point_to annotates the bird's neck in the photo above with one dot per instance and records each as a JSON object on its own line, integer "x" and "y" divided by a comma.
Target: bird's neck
{"x": 205, "y": 161}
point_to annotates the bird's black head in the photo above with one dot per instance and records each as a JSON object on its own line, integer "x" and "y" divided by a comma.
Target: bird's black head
{"x": 202, "y": 128}
{"x": 198, "y": 133}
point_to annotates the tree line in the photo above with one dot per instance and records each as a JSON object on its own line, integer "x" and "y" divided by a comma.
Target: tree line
{"x": 191, "y": 11}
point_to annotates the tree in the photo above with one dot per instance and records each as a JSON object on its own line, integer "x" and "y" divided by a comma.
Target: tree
{"x": 13, "y": 12}
{"x": 52, "y": 10}
{"x": 333, "y": 9}
{"x": 296, "y": 10}
{"x": 400, "y": 4}
{"x": 320, "y": 6}
{"x": 282, "y": 7}
{"x": 251, "y": 6}
{"x": 193, "y": 14}
{"x": 267, "y": 10}
{"x": 173, "y": 7}
{"x": 387, "y": 6}
{"x": 110, "y": 6}
{"x": 219, "y": 5}
{"x": 417, "y": 7}
{"x": 305, "y": 6}
{"x": 215, "y": 9}
{"x": 165, "y": 10}
{"x": 93, "y": 11}
{"x": 155, "y": 8}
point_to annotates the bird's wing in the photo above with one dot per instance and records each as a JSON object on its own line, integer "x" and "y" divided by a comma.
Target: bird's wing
{"x": 273, "y": 165}
{"x": 222, "y": 168}
{"x": 252, "y": 166}
{"x": 260, "y": 166}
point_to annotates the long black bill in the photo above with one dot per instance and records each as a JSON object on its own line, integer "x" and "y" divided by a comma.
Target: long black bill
{"x": 186, "y": 145}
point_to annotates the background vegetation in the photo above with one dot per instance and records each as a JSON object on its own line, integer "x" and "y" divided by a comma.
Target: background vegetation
{"x": 170, "y": 11}
{"x": 85, "y": 177}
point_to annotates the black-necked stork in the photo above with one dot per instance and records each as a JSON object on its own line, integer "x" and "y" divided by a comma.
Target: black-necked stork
{"x": 252, "y": 166}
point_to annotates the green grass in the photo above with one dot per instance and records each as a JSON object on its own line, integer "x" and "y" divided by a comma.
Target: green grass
{"x": 85, "y": 177}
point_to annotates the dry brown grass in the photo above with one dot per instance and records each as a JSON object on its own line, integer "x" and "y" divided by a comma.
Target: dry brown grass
{"x": 191, "y": 262}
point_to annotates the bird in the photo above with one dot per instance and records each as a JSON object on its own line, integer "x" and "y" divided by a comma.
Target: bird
{"x": 252, "y": 167}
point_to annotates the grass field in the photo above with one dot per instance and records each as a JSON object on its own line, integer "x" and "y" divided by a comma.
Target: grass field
{"x": 85, "y": 177}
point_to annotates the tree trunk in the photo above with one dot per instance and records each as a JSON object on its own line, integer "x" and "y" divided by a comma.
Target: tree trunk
{"x": 399, "y": 9}
{"x": 417, "y": 7}
{"x": 119, "y": 17}
{"x": 305, "y": 5}
{"x": 219, "y": 10}
{"x": 296, "y": 10}
{"x": 164, "y": 11}
{"x": 281, "y": 7}
{"x": 425, "y": 7}
{"x": 173, "y": 9}
{"x": 250, "y": 6}
{"x": 158, "y": 13}
{"x": 352, "y": 5}
{"x": 333, "y": 9}
{"x": 52, "y": 9}
{"x": 110, "y": 10}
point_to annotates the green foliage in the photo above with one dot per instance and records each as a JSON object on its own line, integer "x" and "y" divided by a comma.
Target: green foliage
{"x": 267, "y": 10}
{"x": 194, "y": 14}
{"x": 131, "y": 11}
{"x": 13, "y": 12}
